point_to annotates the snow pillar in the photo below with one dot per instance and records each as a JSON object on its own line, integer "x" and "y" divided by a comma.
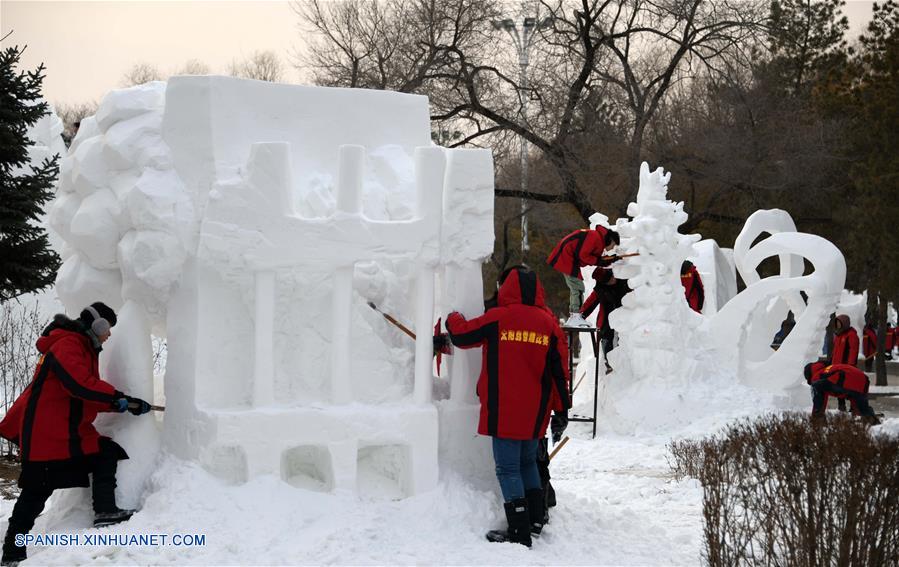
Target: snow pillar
{"x": 424, "y": 345}
{"x": 263, "y": 369}
{"x": 465, "y": 293}
{"x": 430, "y": 165}
{"x": 349, "y": 202}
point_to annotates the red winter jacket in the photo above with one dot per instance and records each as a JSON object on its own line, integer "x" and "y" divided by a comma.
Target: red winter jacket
{"x": 524, "y": 373}
{"x": 693, "y": 288}
{"x": 845, "y": 344}
{"x": 581, "y": 248}
{"x": 869, "y": 344}
{"x": 53, "y": 418}
{"x": 846, "y": 376}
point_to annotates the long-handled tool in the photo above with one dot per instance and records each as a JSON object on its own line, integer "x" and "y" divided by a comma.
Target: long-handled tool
{"x": 442, "y": 344}
{"x": 558, "y": 447}
{"x": 616, "y": 257}
{"x": 135, "y": 405}
{"x": 390, "y": 318}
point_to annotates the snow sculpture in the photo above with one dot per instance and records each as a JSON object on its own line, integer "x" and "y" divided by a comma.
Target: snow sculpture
{"x": 654, "y": 322}
{"x": 744, "y": 327}
{"x": 250, "y": 223}
{"x": 719, "y": 277}
{"x": 669, "y": 360}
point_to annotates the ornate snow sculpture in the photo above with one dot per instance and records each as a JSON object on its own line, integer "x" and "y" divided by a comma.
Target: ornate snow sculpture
{"x": 745, "y": 326}
{"x": 654, "y": 323}
{"x": 249, "y": 223}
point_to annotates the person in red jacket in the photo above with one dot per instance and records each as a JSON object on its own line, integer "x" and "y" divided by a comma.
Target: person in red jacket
{"x": 845, "y": 347}
{"x": 869, "y": 346}
{"x": 52, "y": 424}
{"x": 524, "y": 375}
{"x": 843, "y": 381}
{"x": 693, "y": 288}
{"x": 607, "y": 294}
{"x": 580, "y": 248}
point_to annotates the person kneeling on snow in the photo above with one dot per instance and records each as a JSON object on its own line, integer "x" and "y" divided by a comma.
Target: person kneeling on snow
{"x": 843, "y": 381}
{"x": 523, "y": 377}
{"x": 52, "y": 423}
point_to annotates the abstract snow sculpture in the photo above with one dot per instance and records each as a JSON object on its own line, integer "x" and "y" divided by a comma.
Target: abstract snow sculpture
{"x": 719, "y": 279}
{"x": 745, "y": 326}
{"x": 654, "y": 322}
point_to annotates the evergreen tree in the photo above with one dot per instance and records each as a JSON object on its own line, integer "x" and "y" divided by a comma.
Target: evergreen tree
{"x": 27, "y": 263}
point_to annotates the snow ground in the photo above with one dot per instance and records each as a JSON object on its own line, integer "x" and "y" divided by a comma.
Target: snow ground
{"x": 618, "y": 505}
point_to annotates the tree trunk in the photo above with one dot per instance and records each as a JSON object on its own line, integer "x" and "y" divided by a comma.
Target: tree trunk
{"x": 880, "y": 363}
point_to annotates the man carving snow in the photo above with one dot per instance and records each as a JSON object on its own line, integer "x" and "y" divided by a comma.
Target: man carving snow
{"x": 523, "y": 377}
{"x": 580, "y": 248}
{"x": 52, "y": 423}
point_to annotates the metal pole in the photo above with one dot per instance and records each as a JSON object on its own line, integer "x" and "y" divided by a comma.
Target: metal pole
{"x": 523, "y": 82}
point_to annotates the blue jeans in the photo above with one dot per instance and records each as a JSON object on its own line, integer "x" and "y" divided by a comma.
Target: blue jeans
{"x": 516, "y": 466}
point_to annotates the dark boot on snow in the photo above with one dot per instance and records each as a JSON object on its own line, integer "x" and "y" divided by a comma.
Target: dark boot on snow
{"x": 12, "y": 554}
{"x": 519, "y": 520}
{"x": 116, "y": 516}
{"x": 536, "y": 510}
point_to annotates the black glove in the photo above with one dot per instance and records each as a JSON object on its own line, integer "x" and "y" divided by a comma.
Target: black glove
{"x": 606, "y": 261}
{"x": 557, "y": 424}
{"x": 441, "y": 342}
{"x": 137, "y": 406}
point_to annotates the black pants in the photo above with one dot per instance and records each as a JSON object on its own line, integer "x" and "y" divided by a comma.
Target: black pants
{"x": 31, "y": 500}
{"x": 549, "y": 494}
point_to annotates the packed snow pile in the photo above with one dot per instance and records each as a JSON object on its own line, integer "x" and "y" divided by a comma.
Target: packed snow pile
{"x": 251, "y": 224}
{"x": 672, "y": 364}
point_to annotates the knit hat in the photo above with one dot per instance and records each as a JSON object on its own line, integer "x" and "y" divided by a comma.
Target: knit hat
{"x": 98, "y": 317}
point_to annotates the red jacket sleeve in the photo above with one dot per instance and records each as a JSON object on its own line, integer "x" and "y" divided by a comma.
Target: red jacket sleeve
{"x": 558, "y": 367}
{"x": 468, "y": 334}
{"x": 73, "y": 368}
{"x": 853, "y": 348}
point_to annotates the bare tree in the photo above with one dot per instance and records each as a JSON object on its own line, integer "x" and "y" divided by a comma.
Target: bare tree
{"x": 600, "y": 66}
{"x": 141, "y": 73}
{"x": 261, "y": 65}
{"x": 71, "y": 116}
{"x": 20, "y": 327}
{"x": 193, "y": 67}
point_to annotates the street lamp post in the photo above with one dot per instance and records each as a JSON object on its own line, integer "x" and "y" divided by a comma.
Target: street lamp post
{"x": 522, "y": 38}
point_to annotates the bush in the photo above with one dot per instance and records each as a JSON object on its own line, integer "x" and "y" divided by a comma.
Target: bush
{"x": 782, "y": 491}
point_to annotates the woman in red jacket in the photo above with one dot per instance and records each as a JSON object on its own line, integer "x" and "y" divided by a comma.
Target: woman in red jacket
{"x": 580, "y": 248}
{"x": 524, "y": 375}
{"x": 52, "y": 423}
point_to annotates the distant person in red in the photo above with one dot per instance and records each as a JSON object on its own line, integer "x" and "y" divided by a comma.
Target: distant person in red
{"x": 845, "y": 347}
{"x": 524, "y": 376}
{"x": 693, "y": 288}
{"x": 869, "y": 346}
{"x": 52, "y": 423}
{"x": 581, "y": 248}
{"x": 607, "y": 295}
{"x": 844, "y": 382}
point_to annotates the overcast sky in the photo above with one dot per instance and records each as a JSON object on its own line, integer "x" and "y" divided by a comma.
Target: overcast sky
{"x": 87, "y": 47}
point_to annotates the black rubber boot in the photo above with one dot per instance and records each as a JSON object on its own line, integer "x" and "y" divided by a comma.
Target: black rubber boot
{"x": 117, "y": 516}
{"x": 12, "y": 554}
{"x": 103, "y": 485}
{"x": 519, "y": 520}
{"x": 536, "y": 510}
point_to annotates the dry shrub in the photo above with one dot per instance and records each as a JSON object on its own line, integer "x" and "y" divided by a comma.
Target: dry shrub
{"x": 782, "y": 491}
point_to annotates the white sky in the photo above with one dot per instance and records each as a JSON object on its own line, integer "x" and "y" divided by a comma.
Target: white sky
{"x": 87, "y": 47}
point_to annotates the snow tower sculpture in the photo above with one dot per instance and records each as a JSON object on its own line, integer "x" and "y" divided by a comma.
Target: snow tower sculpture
{"x": 250, "y": 224}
